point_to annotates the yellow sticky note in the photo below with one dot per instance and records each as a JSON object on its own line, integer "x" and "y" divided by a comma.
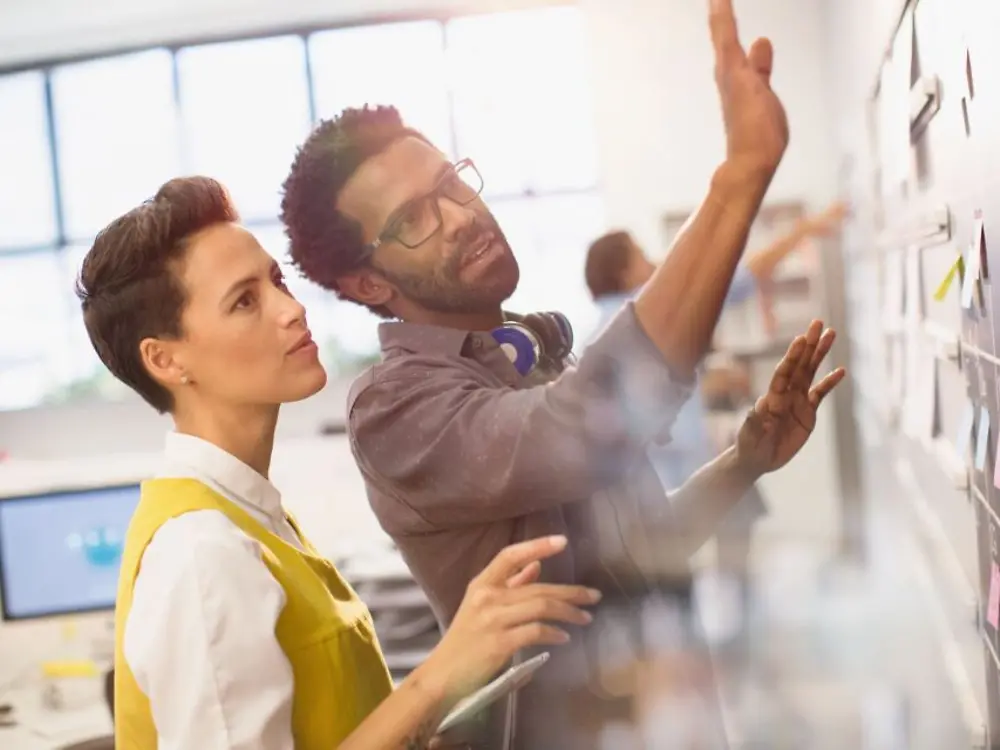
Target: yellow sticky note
{"x": 957, "y": 268}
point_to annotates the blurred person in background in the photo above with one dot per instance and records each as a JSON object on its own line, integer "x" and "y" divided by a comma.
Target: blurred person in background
{"x": 616, "y": 269}
{"x": 464, "y": 445}
{"x": 231, "y": 630}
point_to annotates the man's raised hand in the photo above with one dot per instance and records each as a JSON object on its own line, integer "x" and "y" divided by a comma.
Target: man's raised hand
{"x": 754, "y": 118}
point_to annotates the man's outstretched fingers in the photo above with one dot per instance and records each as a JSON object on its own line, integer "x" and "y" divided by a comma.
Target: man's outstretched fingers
{"x": 725, "y": 37}
{"x": 827, "y": 384}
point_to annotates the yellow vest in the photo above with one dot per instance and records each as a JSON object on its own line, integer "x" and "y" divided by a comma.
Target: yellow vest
{"x": 324, "y": 629}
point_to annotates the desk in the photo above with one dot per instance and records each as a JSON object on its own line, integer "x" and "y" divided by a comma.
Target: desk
{"x": 41, "y": 728}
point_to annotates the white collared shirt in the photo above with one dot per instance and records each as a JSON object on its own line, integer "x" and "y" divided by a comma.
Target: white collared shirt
{"x": 200, "y": 636}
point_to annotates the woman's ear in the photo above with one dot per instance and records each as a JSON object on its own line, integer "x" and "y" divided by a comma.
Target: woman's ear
{"x": 162, "y": 362}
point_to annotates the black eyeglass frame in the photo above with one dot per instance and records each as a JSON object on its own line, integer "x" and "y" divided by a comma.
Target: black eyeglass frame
{"x": 389, "y": 234}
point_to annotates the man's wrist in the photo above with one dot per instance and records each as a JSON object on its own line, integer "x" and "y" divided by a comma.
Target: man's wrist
{"x": 741, "y": 468}
{"x": 737, "y": 183}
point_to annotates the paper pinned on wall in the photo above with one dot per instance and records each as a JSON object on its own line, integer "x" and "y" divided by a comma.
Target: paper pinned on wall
{"x": 982, "y": 438}
{"x": 993, "y": 601}
{"x": 956, "y": 269}
{"x": 979, "y": 243}
{"x": 928, "y": 401}
{"x": 971, "y": 279}
{"x": 914, "y": 291}
{"x": 996, "y": 471}
{"x": 896, "y": 374}
{"x": 964, "y": 435}
{"x": 893, "y": 285}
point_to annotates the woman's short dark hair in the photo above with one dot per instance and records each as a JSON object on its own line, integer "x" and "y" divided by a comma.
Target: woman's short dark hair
{"x": 127, "y": 287}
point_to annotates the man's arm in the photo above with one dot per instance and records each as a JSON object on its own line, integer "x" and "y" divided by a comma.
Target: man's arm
{"x": 775, "y": 430}
{"x": 680, "y": 305}
{"x": 702, "y": 502}
{"x": 457, "y": 452}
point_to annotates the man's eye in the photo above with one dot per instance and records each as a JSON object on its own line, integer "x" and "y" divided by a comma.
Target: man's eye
{"x": 409, "y": 218}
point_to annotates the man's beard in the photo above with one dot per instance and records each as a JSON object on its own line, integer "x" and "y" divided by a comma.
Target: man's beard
{"x": 444, "y": 292}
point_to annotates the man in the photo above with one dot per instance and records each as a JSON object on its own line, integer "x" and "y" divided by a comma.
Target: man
{"x": 460, "y": 454}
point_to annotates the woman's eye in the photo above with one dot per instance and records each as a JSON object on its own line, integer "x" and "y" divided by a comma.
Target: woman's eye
{"x": 244, "y": 301}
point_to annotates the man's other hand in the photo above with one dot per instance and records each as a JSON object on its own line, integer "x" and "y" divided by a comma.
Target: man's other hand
{"x": 782, "y": 420}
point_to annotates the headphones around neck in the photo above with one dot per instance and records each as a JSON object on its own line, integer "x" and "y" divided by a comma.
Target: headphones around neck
{"x": 535, "y": 338}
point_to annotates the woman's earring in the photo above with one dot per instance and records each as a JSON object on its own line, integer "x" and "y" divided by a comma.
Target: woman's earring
{"x": 184, "y": 379}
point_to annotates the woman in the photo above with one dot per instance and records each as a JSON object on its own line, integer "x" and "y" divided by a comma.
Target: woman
{"x": 231, "y": 630}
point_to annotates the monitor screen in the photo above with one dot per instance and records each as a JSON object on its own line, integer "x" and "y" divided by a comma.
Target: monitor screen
{"x": 60, "y": 552}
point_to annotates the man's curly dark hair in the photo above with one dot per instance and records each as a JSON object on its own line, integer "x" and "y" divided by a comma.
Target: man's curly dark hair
{"x": 324, "y": 243}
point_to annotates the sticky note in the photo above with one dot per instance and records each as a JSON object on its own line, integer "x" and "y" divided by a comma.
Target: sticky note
{"x": 982, "y": 438}
{"x": 993, "y": 603}
{"x": 964, "y": 436}
{"x": 956, "y": 269}
{"x": 971, "y": 276}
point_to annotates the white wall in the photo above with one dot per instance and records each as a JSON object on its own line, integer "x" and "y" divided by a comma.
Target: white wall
{"x": 660, "y": 137}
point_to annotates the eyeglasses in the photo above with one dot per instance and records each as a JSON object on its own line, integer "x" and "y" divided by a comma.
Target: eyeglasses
{"x": 416, "y": 221}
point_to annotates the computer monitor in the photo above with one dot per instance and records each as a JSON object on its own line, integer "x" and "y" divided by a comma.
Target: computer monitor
{"x": 60, "y": 551}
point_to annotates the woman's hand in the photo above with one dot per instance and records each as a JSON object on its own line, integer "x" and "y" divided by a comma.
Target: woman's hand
{"x": 504, "y": 611}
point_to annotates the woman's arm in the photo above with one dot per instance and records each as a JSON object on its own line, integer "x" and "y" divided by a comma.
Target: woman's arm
{"x": 503, "y": 612}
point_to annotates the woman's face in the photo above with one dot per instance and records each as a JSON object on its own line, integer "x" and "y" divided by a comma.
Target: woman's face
{"x": 245, "y": 340}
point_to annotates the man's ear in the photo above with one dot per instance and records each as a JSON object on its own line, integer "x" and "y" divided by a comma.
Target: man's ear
{"x": 367, "y": 287}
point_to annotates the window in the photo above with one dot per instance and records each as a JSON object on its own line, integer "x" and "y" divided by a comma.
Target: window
{"x": 550, "y": 237}
{"x": 83, "y": 142}
{"x": 115, "y": 132}
{"x": 361, "y": 65}
{"x": 33, "y": 312}
{"x": 245, "y": 109}
{"x": 27, "y": 204}
{"x": 84, "y": 363}
{"x": 522, "y": 104}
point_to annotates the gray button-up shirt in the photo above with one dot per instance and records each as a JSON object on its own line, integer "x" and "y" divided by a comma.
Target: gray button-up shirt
{"x": 461, "y": 456}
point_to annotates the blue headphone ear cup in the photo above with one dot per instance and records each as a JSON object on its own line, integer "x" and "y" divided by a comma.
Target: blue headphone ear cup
{"x": 567, "y": 335}
{"x": 520, "y": 345}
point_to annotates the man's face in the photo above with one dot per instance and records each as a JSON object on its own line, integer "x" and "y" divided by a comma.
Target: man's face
{"x": 465, "y": 267}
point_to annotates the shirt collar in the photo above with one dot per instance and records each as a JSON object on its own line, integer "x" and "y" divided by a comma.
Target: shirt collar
{"x": 187, "y": 455}
{"x": 422, "y": 339}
